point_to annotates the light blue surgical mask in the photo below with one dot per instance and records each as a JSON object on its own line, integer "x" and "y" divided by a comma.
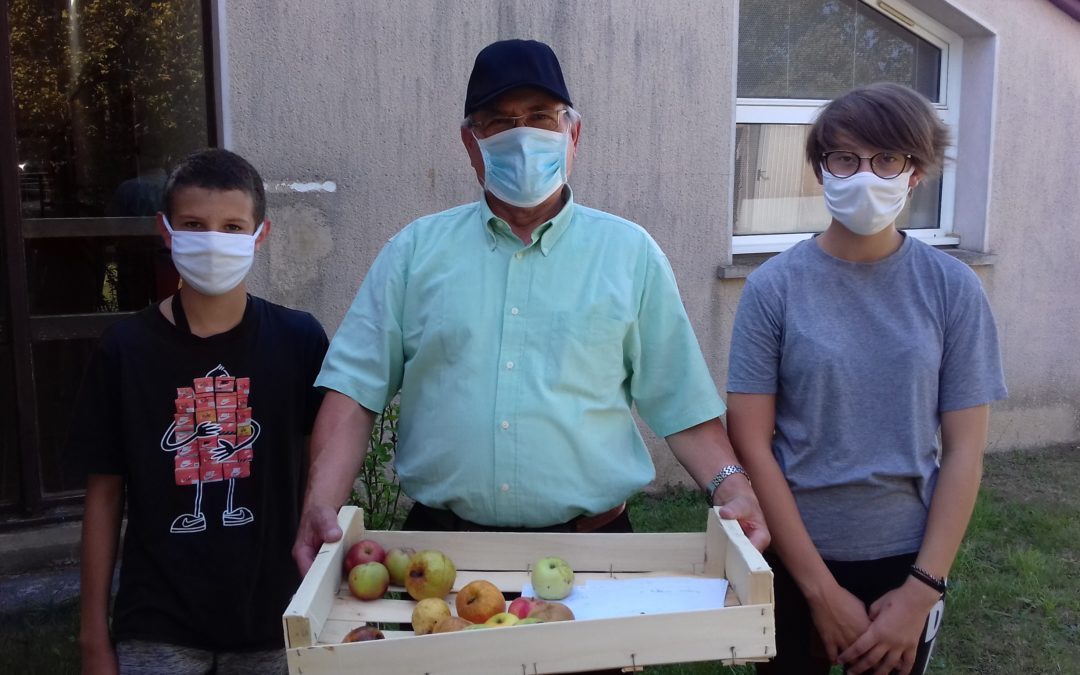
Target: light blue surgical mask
{"x": 524, "y": 166}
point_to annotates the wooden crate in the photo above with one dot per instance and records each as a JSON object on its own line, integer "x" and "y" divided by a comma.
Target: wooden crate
{"x": 323, "y": 610}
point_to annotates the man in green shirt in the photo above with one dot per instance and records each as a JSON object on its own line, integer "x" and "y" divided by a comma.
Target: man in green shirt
{"x": 519, "y": 331}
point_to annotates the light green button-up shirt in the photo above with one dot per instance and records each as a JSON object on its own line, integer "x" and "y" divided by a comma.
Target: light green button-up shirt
{"x": 518, "y": 365}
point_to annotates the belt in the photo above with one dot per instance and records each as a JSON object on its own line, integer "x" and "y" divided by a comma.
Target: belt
{"x": 594, "y": 523}
{"x": 423, "y": 517}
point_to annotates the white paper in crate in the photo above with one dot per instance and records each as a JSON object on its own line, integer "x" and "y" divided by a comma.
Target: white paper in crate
{"x": 609, "y": 598}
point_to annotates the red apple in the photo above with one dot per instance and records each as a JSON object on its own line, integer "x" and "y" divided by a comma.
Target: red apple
{"x": 479, "y": 600}
{"x": 522, "y": 606}
{"x": 362, "y": 552}
{"x": 369, "y": 581}
{"x": 430, "y": 575}
{"x": 397, "y": 563}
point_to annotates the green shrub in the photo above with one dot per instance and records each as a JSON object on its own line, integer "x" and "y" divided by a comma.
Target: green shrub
{"x": 379, "y": 493}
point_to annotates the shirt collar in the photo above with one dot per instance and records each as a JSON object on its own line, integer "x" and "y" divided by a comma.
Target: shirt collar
{"x": 548, "y": 232}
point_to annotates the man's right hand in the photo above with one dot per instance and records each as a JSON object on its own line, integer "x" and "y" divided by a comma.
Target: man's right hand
{"x": 318, "y": 525}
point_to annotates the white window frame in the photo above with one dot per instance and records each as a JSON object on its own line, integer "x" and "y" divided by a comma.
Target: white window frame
{"x": 803, "y": 111}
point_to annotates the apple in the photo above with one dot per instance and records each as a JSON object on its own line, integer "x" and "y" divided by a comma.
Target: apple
{"x": 552, "y": 578}
{"x": 451, "y": 624}
{"x": 521, "y": 606}
{"x": 427, "y": 613}
{"x": 476, "y": 626}
{"x": 479, "y": 600}
{"x": 501, "y": 620}
{"x": 528, "y": 621}
{"x": 362, "y": 552}
{"x": 369, "y": 581}
{"x": 430, "y": 575}
{"x": 551, "y": 611}
{"x": 363, "y": 634}
{"x": 397, "y": 563}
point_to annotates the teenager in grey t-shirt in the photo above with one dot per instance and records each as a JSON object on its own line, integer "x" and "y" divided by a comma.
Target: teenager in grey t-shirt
{"x": 861, "y": 368}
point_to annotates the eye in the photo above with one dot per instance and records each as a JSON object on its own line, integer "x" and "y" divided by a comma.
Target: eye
{"x": 232, "y": 227}
{"x": 889, "y": 158}
{"x": 191, "y": 225}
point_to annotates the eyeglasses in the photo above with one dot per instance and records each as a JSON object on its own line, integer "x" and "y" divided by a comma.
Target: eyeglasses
{"x": 549, "y": 120}
{"x": 844, "y": 164}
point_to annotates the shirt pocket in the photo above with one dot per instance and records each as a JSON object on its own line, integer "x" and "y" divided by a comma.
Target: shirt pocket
{"x": 588, "y": 352}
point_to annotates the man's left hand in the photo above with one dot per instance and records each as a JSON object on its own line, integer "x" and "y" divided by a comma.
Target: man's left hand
{"x": 741, "y": 504}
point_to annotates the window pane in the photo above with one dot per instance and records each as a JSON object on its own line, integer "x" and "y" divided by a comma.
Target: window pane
{"x": 818, "y": 49}
{"x": 58, "y": 371}
{"x": 107, "y": 96}
{"x": 776, "y": 191}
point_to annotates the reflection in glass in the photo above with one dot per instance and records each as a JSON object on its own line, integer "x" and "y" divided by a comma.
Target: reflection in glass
{"x": 818, "y": 49}
{"x": 776, "y": 191}
{"x": 108, "y": 94}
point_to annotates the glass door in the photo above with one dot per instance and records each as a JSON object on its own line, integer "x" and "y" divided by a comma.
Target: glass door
{"x": 106, "y": 95}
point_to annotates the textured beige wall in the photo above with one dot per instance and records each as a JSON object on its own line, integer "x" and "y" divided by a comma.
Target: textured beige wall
{"x": 368, "y": 95}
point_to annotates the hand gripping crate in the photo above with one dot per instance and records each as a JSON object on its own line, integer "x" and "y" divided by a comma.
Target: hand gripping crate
{"x": 323, "y": 610}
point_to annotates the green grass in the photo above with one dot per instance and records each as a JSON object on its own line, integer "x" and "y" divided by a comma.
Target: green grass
{"x": 1014, "y": 606}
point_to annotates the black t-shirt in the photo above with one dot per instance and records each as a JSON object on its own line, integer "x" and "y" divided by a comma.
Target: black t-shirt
{"x": 208, "y": 434}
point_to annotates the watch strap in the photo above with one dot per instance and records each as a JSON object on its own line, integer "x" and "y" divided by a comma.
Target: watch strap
{"x": 940, "y": 585}
{"x": 725, "y": 473}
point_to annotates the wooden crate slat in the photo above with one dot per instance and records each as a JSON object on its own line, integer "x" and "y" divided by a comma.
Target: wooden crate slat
{"x": 746, "y": 568}
{"x": 732, "y": 635}
{"x": 589, "y": 553}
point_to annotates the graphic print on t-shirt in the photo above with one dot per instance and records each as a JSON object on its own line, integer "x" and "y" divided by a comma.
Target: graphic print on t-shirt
{"x": 213, "y": 435}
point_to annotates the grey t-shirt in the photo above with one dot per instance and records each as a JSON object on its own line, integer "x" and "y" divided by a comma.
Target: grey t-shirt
{"x": 863, "y": 358}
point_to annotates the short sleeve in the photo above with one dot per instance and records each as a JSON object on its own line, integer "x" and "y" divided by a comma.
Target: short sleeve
{"x": 97, "y": 421}
{"x": 754, "y": 358}
{"x": 316, "y": 352}
{"x": 670, "y": 381}
{"x": 366, "y": 356}
{"x": 971, "y": 372}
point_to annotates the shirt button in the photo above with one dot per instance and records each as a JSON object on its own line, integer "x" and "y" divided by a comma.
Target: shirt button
{"x": 505, "y": 425}
{"x": 504, "y": 487}
{"x": 514, "y": 311}
{"x": 509, "y": 365}
{"x": 518, "y": 255}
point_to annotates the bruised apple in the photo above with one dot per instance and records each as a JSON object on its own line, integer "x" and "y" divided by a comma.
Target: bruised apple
{"x": 551, "y": 611}
{"x": 362, "y": 634}
{"x": 479, "y": 600}
{"x": 430, "y": 575}
{"x": 427, "y": 613}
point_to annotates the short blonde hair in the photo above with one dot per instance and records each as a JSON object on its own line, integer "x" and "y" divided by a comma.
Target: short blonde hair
{"x": 882, "y": 115}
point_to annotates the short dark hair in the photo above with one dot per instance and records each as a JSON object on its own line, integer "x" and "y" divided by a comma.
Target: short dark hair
{"x": 883, "y": 115}
{"x": 217, "y": 169}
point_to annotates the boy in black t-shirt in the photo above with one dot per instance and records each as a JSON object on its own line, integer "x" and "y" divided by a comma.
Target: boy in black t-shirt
{"x": 196, "y": 411}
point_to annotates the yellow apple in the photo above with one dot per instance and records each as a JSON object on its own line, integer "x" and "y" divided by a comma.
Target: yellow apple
{"x": 427, "y": 613}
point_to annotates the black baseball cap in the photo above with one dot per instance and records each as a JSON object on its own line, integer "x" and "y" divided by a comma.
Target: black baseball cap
{"x": 509, "y": 64}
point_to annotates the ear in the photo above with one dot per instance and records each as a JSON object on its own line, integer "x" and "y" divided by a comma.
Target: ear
{"x": 476, "y": 159}
{"x": 575, "y": 135}
{"x": 159, "y": 225}
{"x": 916, "y": 177}
{"x": 263, "y": 235}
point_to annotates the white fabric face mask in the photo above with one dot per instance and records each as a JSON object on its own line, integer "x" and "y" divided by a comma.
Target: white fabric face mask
{"x": 213, "y": 263}
{"x": 524, "y": 166}
{"x": 865, "y": 203}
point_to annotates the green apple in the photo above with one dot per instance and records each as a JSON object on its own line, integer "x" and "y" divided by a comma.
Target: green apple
{"x": 397, "y": 564}
{"x": 552, "y": 578}
{"x": 502, "y": 619}
{"x": 369, "y": 581}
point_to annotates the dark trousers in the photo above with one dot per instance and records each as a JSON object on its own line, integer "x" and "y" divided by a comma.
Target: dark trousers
{"x": 426, "y": 519}
{"x": 799, "y": 649}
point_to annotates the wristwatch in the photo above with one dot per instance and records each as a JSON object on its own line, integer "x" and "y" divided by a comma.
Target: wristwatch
{"x": 725, "y": 473}
{"x": 940, "y": 585}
